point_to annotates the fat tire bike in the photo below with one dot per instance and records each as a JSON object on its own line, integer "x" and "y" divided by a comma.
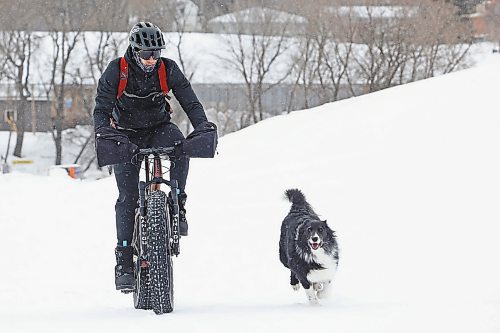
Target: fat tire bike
{"x": 156, "y": 235}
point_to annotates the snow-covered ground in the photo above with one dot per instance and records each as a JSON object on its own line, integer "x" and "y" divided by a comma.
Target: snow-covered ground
{"x": 38, "y": 153}
{"x": 408, "y": 177}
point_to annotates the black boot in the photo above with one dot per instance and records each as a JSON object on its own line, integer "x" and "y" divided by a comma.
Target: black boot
{"x": 124, "y": 269}
{"x": 183, "y": 225}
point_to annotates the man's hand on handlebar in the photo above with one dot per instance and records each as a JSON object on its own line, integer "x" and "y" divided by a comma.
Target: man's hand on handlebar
{"x": 179, "y": 150}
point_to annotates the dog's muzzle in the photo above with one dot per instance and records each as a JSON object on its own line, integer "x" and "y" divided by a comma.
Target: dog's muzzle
{"x": 315, "y": 245}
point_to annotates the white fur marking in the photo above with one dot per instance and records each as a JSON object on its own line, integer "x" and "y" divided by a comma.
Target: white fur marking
{"x": 328, "y": 263}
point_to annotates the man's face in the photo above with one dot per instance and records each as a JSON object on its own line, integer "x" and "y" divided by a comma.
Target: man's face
{"x": 149, "y": 57}
{"x": 149, "y": 62}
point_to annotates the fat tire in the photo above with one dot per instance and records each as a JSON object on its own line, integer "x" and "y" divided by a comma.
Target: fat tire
{"x": 142, "y": 292}
{"x": 160, "y": 260}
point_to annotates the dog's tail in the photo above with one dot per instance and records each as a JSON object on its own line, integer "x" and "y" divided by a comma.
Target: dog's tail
{"x": 298, "y": 200}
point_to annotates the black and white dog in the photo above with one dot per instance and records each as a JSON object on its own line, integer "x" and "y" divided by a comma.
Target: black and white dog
{"x": 308, "y": 247}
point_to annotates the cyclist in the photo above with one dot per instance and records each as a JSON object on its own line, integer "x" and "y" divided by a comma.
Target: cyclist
{"x": 142, "y": 112}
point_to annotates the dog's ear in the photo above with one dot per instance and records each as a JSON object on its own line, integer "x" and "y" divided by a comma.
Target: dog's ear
{"x": 330, "y": 230}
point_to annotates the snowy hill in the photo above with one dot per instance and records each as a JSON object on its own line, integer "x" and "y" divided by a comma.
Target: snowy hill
{"x": 408, "y": 177}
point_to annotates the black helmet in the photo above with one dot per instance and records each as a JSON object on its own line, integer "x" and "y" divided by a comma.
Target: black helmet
{"x": 146, "y": 36}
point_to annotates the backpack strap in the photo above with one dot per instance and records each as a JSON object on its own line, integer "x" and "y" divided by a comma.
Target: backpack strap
{"x": 123, "y": 77}
{"x": 162, "y": 75}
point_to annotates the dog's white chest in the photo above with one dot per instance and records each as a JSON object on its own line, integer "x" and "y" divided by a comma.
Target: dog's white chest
{"x": 328, "y": 262}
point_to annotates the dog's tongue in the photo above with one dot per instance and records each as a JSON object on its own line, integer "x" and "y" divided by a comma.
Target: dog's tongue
{"x": 315, "y": 246}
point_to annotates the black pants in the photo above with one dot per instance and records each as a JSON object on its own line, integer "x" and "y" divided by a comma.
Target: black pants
{"x": 127, "y": 176}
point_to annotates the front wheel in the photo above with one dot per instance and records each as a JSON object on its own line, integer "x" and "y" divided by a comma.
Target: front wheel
{"x": 142, "y": 297}
{"x": 159, "y": 256}
{"x": 142, "y": 292}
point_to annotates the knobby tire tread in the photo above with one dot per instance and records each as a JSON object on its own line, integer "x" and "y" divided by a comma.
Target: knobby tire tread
{"x": 142, "y": 293}
{"x": 160, "y": 261}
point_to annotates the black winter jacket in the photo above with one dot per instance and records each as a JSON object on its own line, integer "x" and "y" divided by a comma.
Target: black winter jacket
{"x": 142, "y": 104}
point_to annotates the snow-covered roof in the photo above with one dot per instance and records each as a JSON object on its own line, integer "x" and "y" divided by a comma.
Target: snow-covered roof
{"x": 258, "y": 15}
{"x": 376, "y": 11}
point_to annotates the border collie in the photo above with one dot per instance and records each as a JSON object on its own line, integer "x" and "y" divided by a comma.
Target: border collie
{"x": 308, "y": 247}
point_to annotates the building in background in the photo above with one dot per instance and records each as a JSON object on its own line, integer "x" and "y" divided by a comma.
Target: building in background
{"x": 258, "y": 20}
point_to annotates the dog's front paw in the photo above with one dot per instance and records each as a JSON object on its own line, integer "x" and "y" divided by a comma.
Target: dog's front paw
{"x": 296, "y": 286}
{"x": 318, "y": 286}
{"x": 325, "y": 291}
{"x": 313, "y": 301}
{"x": 311, "y": 296}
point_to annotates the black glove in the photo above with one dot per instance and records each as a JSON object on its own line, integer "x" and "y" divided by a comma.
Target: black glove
{"x": 202, "y": 142}
{"x": 113, "y": 146}
{"x": 179, "y": 150}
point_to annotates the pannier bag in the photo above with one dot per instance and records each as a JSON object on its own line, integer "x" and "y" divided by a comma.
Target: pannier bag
{"x": 202, "y": 142}
{"x": 113, "y": 147}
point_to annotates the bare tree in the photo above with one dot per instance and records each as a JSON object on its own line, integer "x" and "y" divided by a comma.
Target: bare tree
{"x": 446, "y": 37}
{"x": 181, "y": 24}
{"x": 182, "y": 14}
{"x": 17, "y": 47}
{"x": 66, "y": 30}
{"x": 383, "y": 50}
{"x": 256, "y": 49}
{"x": 377, "y": 46}
{"x": 100, "y": 48}
{"x": 335, "y": 39}
{"x": 304, "y": 69}
{"x": 408, "y": 42}
{"x": 16, "y": 50}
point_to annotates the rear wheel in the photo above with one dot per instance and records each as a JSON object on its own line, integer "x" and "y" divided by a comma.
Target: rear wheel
{"x": 159, "y": 257}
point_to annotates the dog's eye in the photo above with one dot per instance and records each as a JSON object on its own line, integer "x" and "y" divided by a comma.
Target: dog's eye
{"x": 309, "y": 229}
{"x": 320, "y": 229}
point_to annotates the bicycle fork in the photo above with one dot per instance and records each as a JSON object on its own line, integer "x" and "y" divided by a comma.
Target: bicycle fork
{"x": 154, "y": 185}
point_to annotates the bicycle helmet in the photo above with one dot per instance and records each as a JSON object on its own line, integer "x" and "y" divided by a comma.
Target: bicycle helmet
{"x": 146, "y": 36}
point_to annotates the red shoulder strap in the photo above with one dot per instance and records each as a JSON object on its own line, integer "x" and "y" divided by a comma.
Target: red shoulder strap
{"x": 162, "y": 75}
{"x": 123, "y": 77}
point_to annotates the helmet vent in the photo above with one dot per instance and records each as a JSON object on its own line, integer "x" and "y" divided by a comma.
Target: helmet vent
{"x": 146, "y": 36}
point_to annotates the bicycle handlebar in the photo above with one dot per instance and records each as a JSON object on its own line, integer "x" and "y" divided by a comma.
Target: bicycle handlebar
{"x": 156, "y": 151}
